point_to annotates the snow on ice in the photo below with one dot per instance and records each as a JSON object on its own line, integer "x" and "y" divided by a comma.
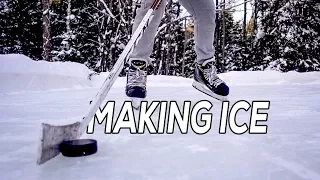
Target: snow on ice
{"x": 32, "y": 92}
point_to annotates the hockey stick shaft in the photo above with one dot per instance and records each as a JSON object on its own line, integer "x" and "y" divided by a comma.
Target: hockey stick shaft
{"x": 116, "y": 70}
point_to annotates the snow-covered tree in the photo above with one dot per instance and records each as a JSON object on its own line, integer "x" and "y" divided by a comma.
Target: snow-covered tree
{"x": 281, "y": 35}
{"x": 91, "y": 32}
{"x": 21, "y": 27}
{"x": 290, "y": 32}
{"x": 4, "y": 33}
{"x": 169, "y": 41}
{"x": 232, "y": 41}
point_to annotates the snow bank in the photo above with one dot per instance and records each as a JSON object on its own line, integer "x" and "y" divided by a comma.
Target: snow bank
{"x": 270, "y": 78}
{"x": 234, "y": 78}
{"x": 153, "y": 81}
{"x": 19, "y": 73}
{"x": 21, "y": 64}
{"x": 245, "y": 78}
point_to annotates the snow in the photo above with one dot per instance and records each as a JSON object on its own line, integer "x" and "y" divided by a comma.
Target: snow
{"x": 71, "y": 17}
{"x": 16, "y": 63}
{"x": 290, "y": 149}
{"x": 18, "y": 73}
{"x": 287, "y": 49}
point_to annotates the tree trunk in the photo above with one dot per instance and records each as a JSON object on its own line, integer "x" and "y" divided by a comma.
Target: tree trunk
{"x": 168, "y": 39}
{"x": 46, "y": 30}
{"x": 244, "y": 35}
{"x": 68, "y": 24}
{"x": 255, "y": 25}
{"x": 184, "y": 47}
{"x": 69, "y": 16}
{"x": 224, "y": 38}
{"x": 217, "y": 26}
{"x": 245, "y": 20}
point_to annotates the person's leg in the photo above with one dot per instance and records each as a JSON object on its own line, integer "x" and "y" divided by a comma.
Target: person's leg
{"x": 140, "y": 57}
{"x": 204, "y": 13}
{"x": 144, "y": 48}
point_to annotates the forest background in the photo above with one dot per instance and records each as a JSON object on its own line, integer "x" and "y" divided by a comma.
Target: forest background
{"x": 256, "y": 35}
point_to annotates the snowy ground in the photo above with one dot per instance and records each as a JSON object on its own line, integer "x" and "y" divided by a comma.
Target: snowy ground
{"x": 289, "y": 151}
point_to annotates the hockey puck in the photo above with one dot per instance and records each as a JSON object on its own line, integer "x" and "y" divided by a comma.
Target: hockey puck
{"x": 78, "y": 147}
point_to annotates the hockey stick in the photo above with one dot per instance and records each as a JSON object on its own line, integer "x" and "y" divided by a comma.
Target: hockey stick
{"x": 53, "y": 135}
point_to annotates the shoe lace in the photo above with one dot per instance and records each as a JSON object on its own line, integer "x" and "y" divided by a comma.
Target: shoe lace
{"x": 211, "y": 76}
{"x": 137, "y": 77}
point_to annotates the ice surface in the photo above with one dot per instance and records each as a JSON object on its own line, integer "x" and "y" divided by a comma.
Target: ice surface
{"x": 289, "y": 151}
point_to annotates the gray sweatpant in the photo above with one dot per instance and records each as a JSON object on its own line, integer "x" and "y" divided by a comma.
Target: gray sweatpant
{"x": 204, "y": 13}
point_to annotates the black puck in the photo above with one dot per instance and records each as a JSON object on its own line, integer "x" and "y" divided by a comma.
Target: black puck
{"x": 78, "y": 147}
